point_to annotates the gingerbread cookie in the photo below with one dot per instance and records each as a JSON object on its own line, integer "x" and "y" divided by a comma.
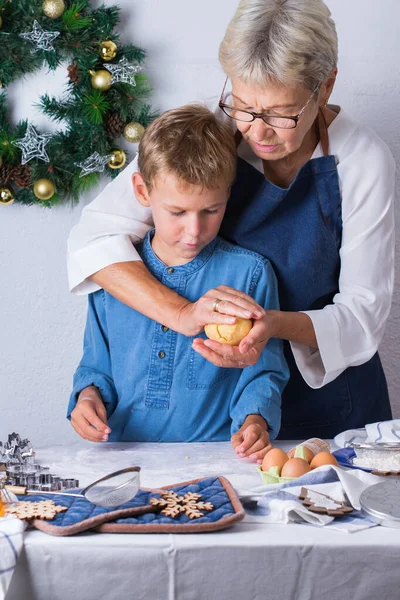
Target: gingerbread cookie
{"x": 323, "y": 504}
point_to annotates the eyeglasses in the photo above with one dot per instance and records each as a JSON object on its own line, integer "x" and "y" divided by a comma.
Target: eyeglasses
{"x": 246, "y": 116}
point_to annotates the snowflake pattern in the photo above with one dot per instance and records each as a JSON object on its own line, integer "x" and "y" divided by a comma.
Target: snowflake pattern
{"x": 42, "y": 39}
{"x": 123, "y": 72}
{"x": 171, "y": 504}
{"x": 45, "y": 509}
{"x": 33, "y": 145}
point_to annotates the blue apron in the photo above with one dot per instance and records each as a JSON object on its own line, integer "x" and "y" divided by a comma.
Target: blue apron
{"x": 299, "y": 229}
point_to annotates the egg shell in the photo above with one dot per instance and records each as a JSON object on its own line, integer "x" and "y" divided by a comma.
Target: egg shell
{"x": 323, "y": 458}
{"x": 309, "y": 455}
{"x": 295, "y": 467}
{"x": 274, "y": 458}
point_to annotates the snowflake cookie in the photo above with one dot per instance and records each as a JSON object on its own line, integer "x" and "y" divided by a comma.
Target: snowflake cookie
{"x": 172, "y": 504}
{"x": 45, "y": 509}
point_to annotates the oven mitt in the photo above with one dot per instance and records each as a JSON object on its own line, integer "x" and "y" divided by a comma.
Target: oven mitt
{"x": 82, "y": 515}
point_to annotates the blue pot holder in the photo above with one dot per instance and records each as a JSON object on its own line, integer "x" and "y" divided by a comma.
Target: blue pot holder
{"x": 82, "y": 515}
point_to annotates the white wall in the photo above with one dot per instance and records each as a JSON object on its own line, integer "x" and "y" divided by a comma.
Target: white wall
{"x": 40, "y": 324}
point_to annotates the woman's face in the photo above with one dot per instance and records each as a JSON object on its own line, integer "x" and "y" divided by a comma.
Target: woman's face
{"x": 267, "y": 142}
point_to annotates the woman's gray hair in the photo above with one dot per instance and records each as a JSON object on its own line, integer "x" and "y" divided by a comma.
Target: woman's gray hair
{"x": 288, "y": 41}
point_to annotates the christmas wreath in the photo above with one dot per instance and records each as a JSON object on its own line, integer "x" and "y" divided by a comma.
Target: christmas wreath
{"x": 105, "y": 98}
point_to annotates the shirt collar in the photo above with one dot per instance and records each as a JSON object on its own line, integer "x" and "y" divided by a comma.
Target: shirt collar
{"x": 159, "y": 268}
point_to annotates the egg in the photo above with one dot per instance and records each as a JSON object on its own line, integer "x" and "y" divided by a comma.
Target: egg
{"x": 295, "y": 467}
{"x": 323, "y": 458}
{"x": 309, "y": 455}
{"x": 274, "y": 458}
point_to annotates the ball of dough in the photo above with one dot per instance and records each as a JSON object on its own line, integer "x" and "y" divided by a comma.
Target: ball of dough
{"x": 229, "y": 334}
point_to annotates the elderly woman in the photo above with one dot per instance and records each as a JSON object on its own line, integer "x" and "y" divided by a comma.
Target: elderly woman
{"x": 314, "y": 193}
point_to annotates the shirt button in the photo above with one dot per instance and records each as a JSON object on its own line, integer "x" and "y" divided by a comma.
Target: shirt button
{"x": 161, "y": 354}
{"x": 171, "y": 270}
{"x": 164, "y": 328}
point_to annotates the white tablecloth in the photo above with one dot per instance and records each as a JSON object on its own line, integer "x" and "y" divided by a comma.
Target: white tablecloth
{"x": 250, "y": 561}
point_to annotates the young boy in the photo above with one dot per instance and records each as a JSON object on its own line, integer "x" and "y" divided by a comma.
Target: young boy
{"x": 140, "y": 381}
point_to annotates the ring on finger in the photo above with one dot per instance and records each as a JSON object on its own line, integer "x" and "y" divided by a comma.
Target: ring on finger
{"x": 216, "y": 304}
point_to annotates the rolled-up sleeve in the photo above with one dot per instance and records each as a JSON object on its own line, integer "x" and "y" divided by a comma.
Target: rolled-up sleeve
{"x": 106, "y": 232}
{"x": 350, "y": 330}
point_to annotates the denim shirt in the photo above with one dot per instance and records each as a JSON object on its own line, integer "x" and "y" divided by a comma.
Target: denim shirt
{"x": 155, "y": 387}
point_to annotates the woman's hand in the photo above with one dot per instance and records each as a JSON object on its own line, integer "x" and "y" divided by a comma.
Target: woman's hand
{"x": 89, "y": 417}
{"x": 233, "y": 303}
{"x": 252, "y": 439}
{"x": 249, "y": 350}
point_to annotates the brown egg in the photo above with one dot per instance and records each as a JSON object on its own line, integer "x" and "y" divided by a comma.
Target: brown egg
{"x": 309, "y": 455}
{"x": 323, "y": 458}
{"x": 274, "y": 458}
{"x": 229, "y": 334}
{"x": 295, "y": 467}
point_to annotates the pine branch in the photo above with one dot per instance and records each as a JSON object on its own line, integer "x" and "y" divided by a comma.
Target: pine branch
{"x": 95, "y": 106}
{"x": 82, "y": 185}
{"x": 56, "y": 109}
{"x": 25, "y": 197}
{"x": 106, "y": 19}
{"x": 3, "y": 111}
{"x": 7, "y": 148}
{"x": 74, "y": 20}
{"x": 133, "y": 54}
{"x": 146, "y": 116}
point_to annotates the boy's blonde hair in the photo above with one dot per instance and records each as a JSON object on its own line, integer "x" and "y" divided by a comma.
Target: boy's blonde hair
{"x": 192, "y": 144}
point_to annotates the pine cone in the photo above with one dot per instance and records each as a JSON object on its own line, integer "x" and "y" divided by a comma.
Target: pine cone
{"x": 22, "y": 176}
{"x": 114, "y": 125}
{"x": 6, "y": 173}
{"x": 73, "y": 73}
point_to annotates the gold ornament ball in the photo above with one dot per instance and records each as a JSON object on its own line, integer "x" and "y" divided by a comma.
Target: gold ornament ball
{"x": 101, "y": 80}
{"x": 1, "y": 22}
{"x": 133, "y": 132}
{"x": 44, "y": 189}
{"x": 6, "y": 195}
{"x": 118, "y": 159}
{"x": 108, "y": 50}
{"x": 53, "y": 8}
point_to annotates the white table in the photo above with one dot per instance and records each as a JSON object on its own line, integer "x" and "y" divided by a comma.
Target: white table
{"x": 250, "y": 561}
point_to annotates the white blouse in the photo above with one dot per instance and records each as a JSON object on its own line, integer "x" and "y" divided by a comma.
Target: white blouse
{"x": 348, "y": 331}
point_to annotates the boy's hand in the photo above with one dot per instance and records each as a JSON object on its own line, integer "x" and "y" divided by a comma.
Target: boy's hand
{"x": 89, "y": 417}
{"x": 233, "y": 303}
{"x": 252, "y": 439}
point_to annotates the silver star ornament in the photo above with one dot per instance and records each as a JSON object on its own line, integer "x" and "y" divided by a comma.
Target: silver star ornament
{"x": 42, "y": 39}
{"x": 94, "y": 164}
{"x": 123, "y": 72}
{"x": 33, "y": 145}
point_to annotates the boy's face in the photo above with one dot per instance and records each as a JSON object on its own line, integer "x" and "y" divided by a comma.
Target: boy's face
{"x": 186, "y": 218}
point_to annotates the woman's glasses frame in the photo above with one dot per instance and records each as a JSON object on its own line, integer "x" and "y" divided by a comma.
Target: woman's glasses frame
{"x": 266, "y": 118}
